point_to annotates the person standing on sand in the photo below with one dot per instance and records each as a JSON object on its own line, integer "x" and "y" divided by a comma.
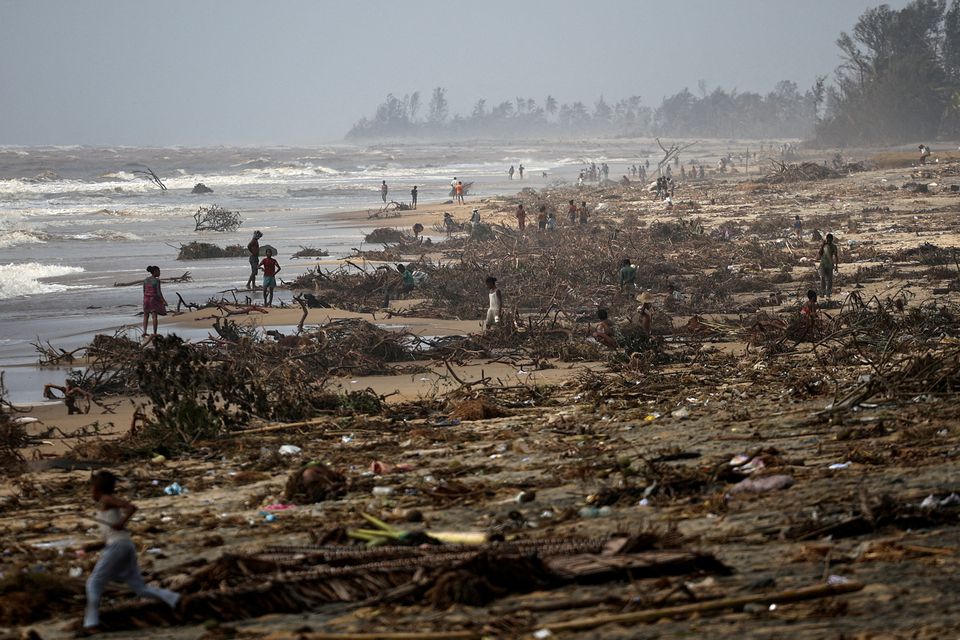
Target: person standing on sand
{"x": 627, "y": 275}
{"x": 583, "y": 213}
{"x": 458, "y": 190}
{"x": 453, "y": 187}
{"x": 510, "y": 172}
{"x": 383, "y": 191}
{"x": 270, "y": 270}
{"x": 413, "y": 197}
{"x": 572, "y": 212}
{"x": 521, "y": 171}
{"x": 551, "y": 222}
{"x": 154, "y": 303}
{"x": 808, "y": 313}
{"x": 118, "y": 560}
{"x": 829, "y": 264}
{"x": 542, "y": 218}
{"x": 496, "y": 304}
{"x": 521, "y": 217}
{"x": 254, "y": 248}
{"x": 798, "y": 227}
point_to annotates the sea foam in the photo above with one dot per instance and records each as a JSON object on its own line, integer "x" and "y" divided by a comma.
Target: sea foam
{"x": 24, "y": 279}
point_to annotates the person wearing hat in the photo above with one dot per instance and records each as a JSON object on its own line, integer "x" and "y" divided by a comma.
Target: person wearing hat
{"x": 254, "y": 248}
{"x": 646, "y": 320}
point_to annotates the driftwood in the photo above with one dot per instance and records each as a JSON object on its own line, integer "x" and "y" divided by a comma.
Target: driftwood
{"x": 154, "y": 178}
{"x": 780, "y": 597}
{"x": 186, "y": 277}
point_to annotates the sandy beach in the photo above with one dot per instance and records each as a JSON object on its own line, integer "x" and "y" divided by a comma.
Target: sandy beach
{"x": 492, "y": 436}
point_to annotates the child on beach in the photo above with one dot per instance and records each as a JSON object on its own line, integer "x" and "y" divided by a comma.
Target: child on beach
{"x": 118, "y": 560}
{"x": 153, "y": 302}
{"x": 270, "y": 270}
{"x": 808, "y": 312}
{"x": 572, "y": 213}
{"x": 521, "y": 217}
{"x": 605, "y": 333}
{"x": 798, "y": 227}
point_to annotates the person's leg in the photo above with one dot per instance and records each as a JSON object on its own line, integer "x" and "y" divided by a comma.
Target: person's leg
{"x": 155, "y": 318}
{"x": 129, "y": 572}
{"x": 146, "y": 319}
{"x": 265, "y": 289}
{"x": 829, "y": 282}
{"x": 270, "y": 303}
{"x": 108, "y": 566}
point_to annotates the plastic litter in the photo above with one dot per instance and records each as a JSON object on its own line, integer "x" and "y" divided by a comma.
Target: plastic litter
{"x": 835, "y": 580}
{"x": 933, "y": 502}
{"x": 540, "y": 634}
{"x": 680, "y": 413}
{"x": 290, "y": 450}
{"x": 174, "y": 489}
{"x": 383, "y": 491}
{"x": 76, "y": 572}
{"x": 839, "y": 465}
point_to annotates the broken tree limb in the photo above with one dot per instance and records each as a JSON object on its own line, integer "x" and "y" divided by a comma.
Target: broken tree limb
{"x": 154, "y": 178}
{"x": 186, "y": 277}
{"x": 780, "y": 597}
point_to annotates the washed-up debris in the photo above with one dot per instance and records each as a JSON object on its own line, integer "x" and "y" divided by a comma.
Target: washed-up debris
{"x": 205, "y": 250}
{"x": 293, "y": 579}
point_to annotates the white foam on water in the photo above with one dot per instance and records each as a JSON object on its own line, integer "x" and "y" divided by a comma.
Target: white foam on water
{"x": 25, "y": 279}
{"x": 16, "y": 237}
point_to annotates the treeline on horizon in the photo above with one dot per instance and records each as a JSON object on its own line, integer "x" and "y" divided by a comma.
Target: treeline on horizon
{"x": 899, "y": 82}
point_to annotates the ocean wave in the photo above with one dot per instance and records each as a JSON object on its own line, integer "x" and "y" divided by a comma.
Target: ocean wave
{"x": 22, "y": 236}
{"x": 104, "y": 234}
{"x": 24, "y": 279}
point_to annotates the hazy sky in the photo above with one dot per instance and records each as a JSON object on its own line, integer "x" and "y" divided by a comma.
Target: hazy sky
{"x": 300, "y": 72}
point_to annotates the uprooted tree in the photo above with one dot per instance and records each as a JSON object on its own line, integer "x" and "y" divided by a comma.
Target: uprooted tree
{"x": 216, "y": 218}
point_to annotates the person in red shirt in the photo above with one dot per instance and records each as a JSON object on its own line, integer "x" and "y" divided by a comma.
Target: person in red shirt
{"x": 521, "y": 217}
{"x": 270, "y": 270}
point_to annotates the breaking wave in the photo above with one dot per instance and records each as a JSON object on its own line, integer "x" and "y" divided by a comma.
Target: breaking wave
{"x": 25, "y": 279}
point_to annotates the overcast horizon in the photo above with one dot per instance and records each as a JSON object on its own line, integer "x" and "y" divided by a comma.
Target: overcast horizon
{"x": 294, "y": 72}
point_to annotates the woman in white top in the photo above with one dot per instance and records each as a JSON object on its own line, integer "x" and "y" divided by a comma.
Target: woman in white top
{"x": 496, "y": 304}
{"x": 118, "y": 560}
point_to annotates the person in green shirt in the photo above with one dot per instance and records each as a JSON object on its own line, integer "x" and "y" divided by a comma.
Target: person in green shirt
{"x": 407, "y": 275}
{"x": 628, "y": 275}
{"x": 829, "y": 259}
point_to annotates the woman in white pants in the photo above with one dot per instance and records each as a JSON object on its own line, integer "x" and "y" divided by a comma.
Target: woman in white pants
{"x": 118, "y": 560}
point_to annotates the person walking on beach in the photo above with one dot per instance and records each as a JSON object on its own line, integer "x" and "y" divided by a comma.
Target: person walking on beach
{"x": 270, "y": 270}
{"x": 798, "y": 227}
{"x": 542, "y": 218}
{"x": 551, "y": 222}
{"x": 383, "y": 191}
{"x": 829, "y": 263}
{"x": 254, "y": 248}
{"x": 583, "y": 213}
{"x": 449, "y": 225}
{"x": 520, "y": 168}
{"x": 459, "y": 192}
{"x": 496, "y": 304}
{"x": 413, "y": 197}
{"x": 808, "y": 313}
{"x": 627, "y": 275}
{"x": 453, "y": 187}
{"x": 521, "y": 215}
{"x": 572, "y": 212}
{"x": 154, "y": 303}
{"x": 510, "y": 172}
{"x": 118, "y": 560}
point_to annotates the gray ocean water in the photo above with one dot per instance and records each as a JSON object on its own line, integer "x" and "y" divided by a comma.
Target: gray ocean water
{"x": 75, "y": 220}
